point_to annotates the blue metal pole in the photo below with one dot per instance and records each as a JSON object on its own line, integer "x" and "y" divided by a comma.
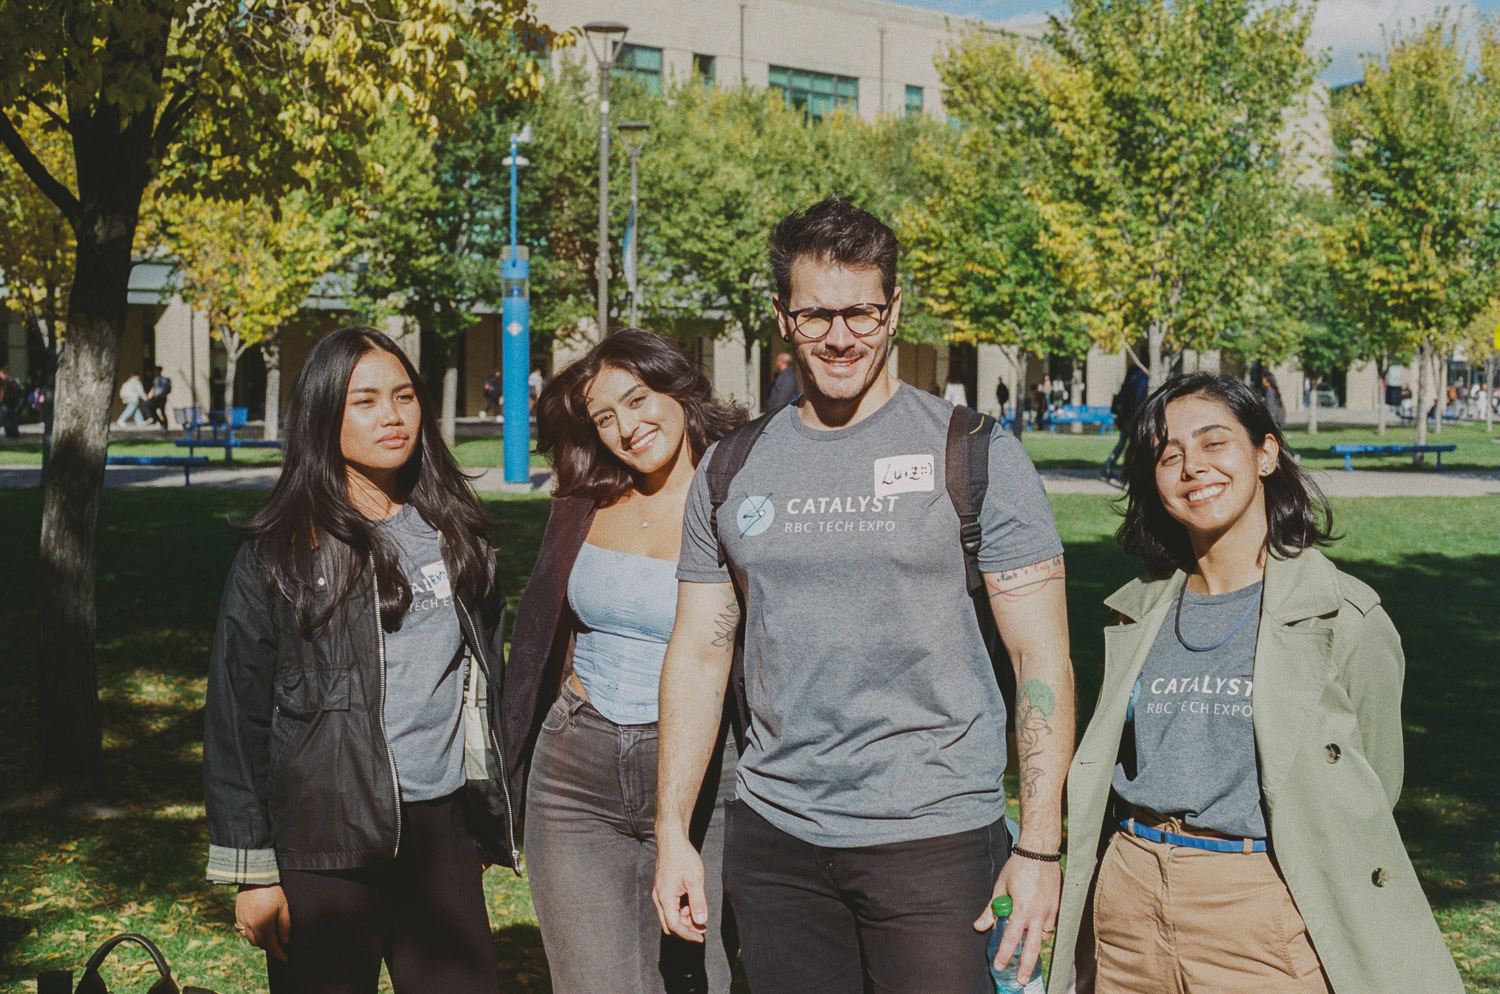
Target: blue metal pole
{"x": 514, "y": 151}
{"x": 516, "y": 323}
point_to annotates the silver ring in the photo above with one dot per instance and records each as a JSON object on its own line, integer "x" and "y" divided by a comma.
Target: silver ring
{"x": 241, "y": 927}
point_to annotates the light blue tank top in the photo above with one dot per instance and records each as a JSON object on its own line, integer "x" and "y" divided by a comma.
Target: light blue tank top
{"x": 625, "y": 605}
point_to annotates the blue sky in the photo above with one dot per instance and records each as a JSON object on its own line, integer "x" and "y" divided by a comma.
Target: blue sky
{"x": 1346, "y": 28}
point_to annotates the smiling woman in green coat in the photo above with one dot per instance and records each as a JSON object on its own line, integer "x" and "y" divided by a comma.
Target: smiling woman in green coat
{"x": 1223, "y": 842}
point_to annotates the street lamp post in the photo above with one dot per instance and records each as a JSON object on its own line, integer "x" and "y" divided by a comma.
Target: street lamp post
{"x": 635, "y": 132}
{"x": 609, "y": 35}
{"x": 515, "y": 318}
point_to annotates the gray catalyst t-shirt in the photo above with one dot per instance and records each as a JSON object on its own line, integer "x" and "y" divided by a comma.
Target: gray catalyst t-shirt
{"x": 1192, "y": 731}
{"x": 425, "y": 667}
{"x": 875, "y": 716}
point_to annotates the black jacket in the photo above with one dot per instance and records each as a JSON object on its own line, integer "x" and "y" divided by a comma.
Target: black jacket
{"x": 541, "y": 645}
{"x": 783, "y": 389}
{"x": 297, "y": 772}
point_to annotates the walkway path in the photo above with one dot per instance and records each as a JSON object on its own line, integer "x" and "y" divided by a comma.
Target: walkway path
{"x": 1335, "y": 483}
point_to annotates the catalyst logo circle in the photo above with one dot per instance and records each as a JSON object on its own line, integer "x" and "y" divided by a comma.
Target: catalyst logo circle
{"x": 755, "y": 515}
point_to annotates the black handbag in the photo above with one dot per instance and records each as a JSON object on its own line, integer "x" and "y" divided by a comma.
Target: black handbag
{"x": 61, "y": 981}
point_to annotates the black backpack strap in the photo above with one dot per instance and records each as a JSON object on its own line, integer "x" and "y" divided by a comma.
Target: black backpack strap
{"x": 967, "y": 472}
{"x": 724, "y": 464}
{"x": 728, "y": 457}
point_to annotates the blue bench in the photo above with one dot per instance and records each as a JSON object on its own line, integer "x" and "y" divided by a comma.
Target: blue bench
{"x": 1080, "y": 414}
{"x": 186, "y": 462}
{"x": 1349, "y": 451}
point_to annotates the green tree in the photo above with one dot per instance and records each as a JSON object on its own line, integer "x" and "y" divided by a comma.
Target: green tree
{"x": 248, "y": 267}
{"x": 1172, "y": 158}
{"x": 36, "y": 243}
{"x": 975, "y": 240}
{"x": 723, "y": 167}
{"x": 430, "y": 238}
{"x": 1482, "y": 344}
{"x": 201, "y": 96}
{"x": 1305, "y": 321}
{"x": 1418, "y": 169}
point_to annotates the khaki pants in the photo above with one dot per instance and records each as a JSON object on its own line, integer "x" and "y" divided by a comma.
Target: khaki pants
{"x": 1177, "y": 920}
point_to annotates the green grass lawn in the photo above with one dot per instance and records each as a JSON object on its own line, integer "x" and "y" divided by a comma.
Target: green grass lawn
{"x": 66, "y": 884}
{"x": 1063, "y": 450}
{"x": 1476, "y": 450}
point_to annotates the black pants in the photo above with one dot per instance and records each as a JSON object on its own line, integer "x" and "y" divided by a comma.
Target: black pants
{"x": 422, "y": 913}
{"x": 878, "y": 919}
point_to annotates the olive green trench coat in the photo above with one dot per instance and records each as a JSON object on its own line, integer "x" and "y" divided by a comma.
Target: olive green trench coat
{"x": 1327, "y": 721}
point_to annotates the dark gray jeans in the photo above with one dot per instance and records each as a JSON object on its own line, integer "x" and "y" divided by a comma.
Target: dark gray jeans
{"x": 591, "y": 856}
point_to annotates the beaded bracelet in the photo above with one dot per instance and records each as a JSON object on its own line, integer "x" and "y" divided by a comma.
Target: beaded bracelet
{"x": 1040, "y": 856}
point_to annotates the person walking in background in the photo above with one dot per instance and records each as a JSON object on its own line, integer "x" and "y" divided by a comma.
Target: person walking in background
{"x": 494, "y": 390}
{"x": 867, "y": 830}
{"x": 1039, "y": 403}
{"x": 354, "y": 788}
{"x": 156, "y": 398}
{"x": 955, "y": 392}
{"x": 1129, "y": 398}
{"x": 783, "y": 389}
{"x": 1002, "y": 397}
{"x": 133, "y": 396}
{"x": 1250, "y": 841}
{"x": 1270, "y": 395}
{"x": 624, "y": 427}
{"x": 10, "y": 402}
{"x": 534, "y": 384}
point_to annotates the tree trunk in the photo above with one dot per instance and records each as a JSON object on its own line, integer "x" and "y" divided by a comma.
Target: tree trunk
{"x": 1439, "y": 390}
{"x": 1075, "y": 392}
{"x": 1156, "y": 370}
{"x": 270, "y": 349}
{"x": 232, "y": 352}
{"x": 1384, "y": 368}
{"x": 70, "y": 737}
{"x": 1018, "y": 398}
{"x": 1312, "y": 404}
{"x": 1419, "y": 402}
{"x": 753, "y": 386}
{"x": 1488, "y": 395}
{"x": 450, "y": 389}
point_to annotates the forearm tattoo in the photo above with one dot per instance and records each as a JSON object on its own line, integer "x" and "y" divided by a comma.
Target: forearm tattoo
{"x": 727, "y": 624}
{"x": 1035, "y": 704}
{"x": 1012, "y": 585}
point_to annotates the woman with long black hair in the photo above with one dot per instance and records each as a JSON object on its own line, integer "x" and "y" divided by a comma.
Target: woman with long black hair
{"x": 624, "y": 426}
{"x": 353, "y": 785}
{"x": 1230, "y": 821}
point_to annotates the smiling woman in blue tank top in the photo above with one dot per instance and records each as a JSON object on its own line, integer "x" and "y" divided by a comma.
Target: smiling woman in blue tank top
{"x": 625, "y": 426}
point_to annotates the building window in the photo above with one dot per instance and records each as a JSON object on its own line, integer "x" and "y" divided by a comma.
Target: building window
{"x": 913, "y": 101}
{"x": 817, "y": 93}
{"x": 641, "y": 64}
{"x": 703, "y": 65}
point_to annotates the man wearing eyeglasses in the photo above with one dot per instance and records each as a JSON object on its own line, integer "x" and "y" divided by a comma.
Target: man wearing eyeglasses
{"x": 868, "y": 834}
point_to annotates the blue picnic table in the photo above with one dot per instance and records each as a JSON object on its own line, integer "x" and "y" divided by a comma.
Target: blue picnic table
{"x": 1349, "y": 451}
{"x": 1081, "y": 414}
{"x": 219, "y": 426}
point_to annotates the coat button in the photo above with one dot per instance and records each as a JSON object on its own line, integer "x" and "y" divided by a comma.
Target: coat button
{"x": 1332, "y": 752}
{"x": 1379, "y": 877}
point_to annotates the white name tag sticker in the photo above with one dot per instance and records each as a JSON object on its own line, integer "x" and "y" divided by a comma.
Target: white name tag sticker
{"x": 437, "y": 579}
{"x": 904, "y": 475}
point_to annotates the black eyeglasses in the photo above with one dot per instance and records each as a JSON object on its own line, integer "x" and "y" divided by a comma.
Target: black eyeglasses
{"x": 862, "y": 320}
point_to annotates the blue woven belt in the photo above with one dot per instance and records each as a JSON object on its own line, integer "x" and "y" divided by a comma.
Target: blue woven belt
{"x": 1192, "y": 841}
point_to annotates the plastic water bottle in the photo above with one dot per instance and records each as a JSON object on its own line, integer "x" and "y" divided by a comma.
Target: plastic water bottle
{"x": 1005, "y": 980}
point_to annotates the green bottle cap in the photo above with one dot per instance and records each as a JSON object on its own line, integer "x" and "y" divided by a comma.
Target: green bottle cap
{"x": 1001, "y": 906}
